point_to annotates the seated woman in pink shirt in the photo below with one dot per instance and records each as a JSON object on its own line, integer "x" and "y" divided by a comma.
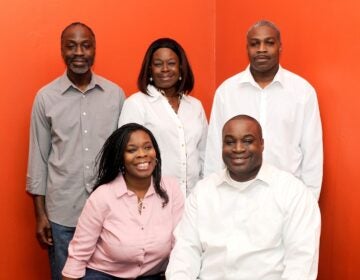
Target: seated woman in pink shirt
{"x": 126, "y": 228}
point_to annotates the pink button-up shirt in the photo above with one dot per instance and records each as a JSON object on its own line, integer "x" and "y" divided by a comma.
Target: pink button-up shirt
{"x": 111, "y": 236}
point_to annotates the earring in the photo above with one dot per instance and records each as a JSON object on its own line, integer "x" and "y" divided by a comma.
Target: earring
{"x": 122, "y": 170}
{"x": 180, "y": 78}
{"x": 151, "y": 79}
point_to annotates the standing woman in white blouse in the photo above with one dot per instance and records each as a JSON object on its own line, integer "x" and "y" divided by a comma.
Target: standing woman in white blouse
{"x": 164, "y": 106}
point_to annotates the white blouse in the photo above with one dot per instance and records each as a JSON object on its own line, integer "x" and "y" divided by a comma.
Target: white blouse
{"x": 181, "y": 137}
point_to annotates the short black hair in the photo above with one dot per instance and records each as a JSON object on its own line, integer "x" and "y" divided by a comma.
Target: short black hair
{"x": 268, "y": 23}
{"x": 110, "y": 160}
{"x": 185, "y": 85}
{"x": 248, "y": 118}
{"x": 75, "y": 24}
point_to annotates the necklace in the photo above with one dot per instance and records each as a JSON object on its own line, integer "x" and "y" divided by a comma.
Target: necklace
{"x": 140, "y": 205}
{"x": 175, "y": 104}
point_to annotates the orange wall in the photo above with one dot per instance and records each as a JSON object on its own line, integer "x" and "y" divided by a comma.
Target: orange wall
{"x": 320, "y": 42}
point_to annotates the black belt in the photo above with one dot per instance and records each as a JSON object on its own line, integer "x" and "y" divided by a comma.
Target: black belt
{"x": 159, "y": 276}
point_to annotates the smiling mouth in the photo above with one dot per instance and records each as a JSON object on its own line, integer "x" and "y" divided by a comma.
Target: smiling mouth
{"x": 78, "y": 62}
{"x": 239, "y": 160}
{"x": 167, "y": 77}
{"x": 143, "y": 166}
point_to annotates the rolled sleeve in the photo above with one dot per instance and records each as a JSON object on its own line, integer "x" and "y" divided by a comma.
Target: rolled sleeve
{"x": 39, "y": 149}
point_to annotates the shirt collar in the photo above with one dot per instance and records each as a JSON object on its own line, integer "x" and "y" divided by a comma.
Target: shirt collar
{"x": 156, "y": 94}
{"x": 247, "y": 77}
{"x": 264, "y": 175}
{"x": 279, "y": 77}
{"x": 66, "y": 84}
{"x": 121, "y": 188}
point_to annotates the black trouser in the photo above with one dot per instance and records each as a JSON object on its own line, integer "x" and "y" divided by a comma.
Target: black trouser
{"x": 92, "y": 274}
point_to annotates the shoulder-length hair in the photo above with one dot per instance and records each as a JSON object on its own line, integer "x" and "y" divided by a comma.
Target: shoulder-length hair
{"x": 183, "y": 86}
{"x": 110, "y": 160}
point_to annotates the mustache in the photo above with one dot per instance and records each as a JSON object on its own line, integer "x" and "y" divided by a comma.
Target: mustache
{"x": 262, "y": 56}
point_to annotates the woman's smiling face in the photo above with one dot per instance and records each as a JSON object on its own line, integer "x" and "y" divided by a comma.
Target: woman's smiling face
{"x": 139, "y": 156}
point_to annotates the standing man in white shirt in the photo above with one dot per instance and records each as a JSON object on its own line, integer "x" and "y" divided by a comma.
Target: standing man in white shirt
{"x": 250, "y": 221}
{"x": 284, "y": 103}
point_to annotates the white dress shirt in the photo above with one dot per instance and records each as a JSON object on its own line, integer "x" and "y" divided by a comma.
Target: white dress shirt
{"x": 288, "y": 112}
{"x": 181, "y": 137}
{"x": 267, "y": 229}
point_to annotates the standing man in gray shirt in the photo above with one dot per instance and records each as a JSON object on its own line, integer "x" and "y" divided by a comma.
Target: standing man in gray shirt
{"x": 71, "y": 119}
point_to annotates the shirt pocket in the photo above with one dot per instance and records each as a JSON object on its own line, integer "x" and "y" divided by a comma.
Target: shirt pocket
{"x": 283, "y": 113}
{"x": 264, "y": 229}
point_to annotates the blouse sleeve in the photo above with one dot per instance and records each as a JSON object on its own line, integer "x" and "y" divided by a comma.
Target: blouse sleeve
{"x": 132, "y": 111}
{"x": 202, "y": 142}
{"x": 87, "y": 232}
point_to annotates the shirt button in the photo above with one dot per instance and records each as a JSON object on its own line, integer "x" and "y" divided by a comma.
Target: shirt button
{"x": 87, "y": 184}
{"x": 142, "y": 228}
{"x": 87, "y": 166}
{"x": 83, "y": 96}
{"x": 85, "y": 131}
{"x": 84, "y": 113}
{"x": 86, "y": 149}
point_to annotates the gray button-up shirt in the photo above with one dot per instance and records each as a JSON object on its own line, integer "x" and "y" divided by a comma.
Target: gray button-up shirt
{"x": 68, "y": 128}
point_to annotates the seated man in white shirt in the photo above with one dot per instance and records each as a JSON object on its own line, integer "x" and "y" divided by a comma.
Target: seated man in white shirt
{"x": 250, "y": 221}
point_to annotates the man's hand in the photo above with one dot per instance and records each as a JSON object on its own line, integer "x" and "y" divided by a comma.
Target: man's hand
{"x": 43, "y": 231}
{"x": 43, "y": 227}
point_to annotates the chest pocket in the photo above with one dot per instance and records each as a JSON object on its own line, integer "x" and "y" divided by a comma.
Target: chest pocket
{"x": 264, "y": 228}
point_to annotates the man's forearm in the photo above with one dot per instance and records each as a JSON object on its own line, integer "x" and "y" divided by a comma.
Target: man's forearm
{"x": 43, "y": 227}
{"x": 39, "y": 205}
